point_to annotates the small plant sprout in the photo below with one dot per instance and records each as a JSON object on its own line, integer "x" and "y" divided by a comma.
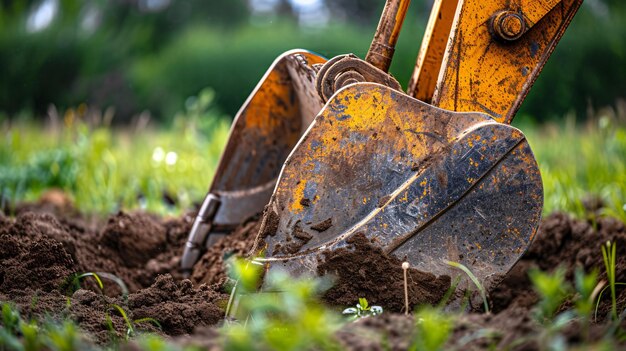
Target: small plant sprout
{"x": 434, "y": 328}
{"x": 130, "y": 330}
{"x": 246, "y": 275}
{"x": 609, "y": 256}
{"x": 552, "y": 289}
{"x": 474, "y": 280}
{"x": 362, "y": 310}
{"x": 586, "y": 289}
{"x": 405, "y": 268}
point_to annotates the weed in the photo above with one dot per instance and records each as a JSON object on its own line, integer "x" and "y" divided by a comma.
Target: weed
{"x": 75, "y": 281}
{"x": 156, "y": 343}
{"x": 434, "y": 328}
{"x": 20, "y": 335}
{"x": 148, "y": 320}
{"x": 10, "y": 318}
{"x": 474, "y": 280}
{"x": 603, "y": 289}
{"x": 609, "y": 257}
{"x": 362, "y": 310}
{"x": 585, "y": 285}
{"x": 552, "y": 289}
{"x": 286, "y": 316}
{"x": 130, "y": 328}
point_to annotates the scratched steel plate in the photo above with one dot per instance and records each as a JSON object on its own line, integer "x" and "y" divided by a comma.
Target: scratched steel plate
{"x": 264, "y": 132}
{"x": 425, "y": 184}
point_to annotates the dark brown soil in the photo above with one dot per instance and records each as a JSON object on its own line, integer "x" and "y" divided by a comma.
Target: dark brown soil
{"x": 568, "y": 243}
{"x": 46, "y": 243}
{"x": 39, "y": 252}
{"x": 364, "y": 270}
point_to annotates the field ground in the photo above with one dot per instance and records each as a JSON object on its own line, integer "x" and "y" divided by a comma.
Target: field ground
{"x": 49, "y": 238}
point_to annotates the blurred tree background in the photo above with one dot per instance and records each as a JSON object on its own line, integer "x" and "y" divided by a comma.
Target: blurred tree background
{"x": 149, "y": 56}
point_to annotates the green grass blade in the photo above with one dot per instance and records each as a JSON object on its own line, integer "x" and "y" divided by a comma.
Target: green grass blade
{"x": 471, "y": 275}
{"x": 129, "y": 323}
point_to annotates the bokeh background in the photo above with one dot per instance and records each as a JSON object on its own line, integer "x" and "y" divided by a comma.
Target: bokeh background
{"x": 147, "y": 57}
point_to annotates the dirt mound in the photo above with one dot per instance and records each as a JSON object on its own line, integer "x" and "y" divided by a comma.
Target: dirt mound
{"x": 178, "y": 306}
{"x": 35, "y": 252}
{"x": 40, "y": 253}
{"x": 42, "y": 246}
{"x": 569, "y": 243}
{"x": 364, "y": 270}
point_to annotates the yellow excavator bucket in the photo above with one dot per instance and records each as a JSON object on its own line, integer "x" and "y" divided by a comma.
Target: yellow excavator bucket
{"x": 336, "y": 151}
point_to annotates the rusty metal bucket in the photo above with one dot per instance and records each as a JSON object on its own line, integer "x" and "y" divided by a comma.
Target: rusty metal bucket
{"x": 263, "y": 133}
{"x": 424, "y": 184}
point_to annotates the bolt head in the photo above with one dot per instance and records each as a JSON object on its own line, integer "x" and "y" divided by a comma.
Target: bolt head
{"x": 508, "y": 25}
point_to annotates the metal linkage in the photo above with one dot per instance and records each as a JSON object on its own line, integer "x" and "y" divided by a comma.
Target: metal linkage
{"x": 199, "y": 233}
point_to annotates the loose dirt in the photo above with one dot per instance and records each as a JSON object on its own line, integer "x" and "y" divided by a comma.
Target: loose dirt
{"x": 363, "y": 270}
{"x": 44, "y": 244}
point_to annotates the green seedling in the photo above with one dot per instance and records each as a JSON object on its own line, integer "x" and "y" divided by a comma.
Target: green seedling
{"x": 10, "y": 318}
{"x": 362, "y": 310}
{"x": 602, "y": 291}
{"x": 246, "y": 273}
{"x": 434, "y": 328}
{"x": 31, "y": 336}
{"x": 149, "y": 342}
{"x": 130, "y": 328}
{"x": 609, "y": 256}
{"x": 446, "y": 297}
{"x": 474, "y": 280}
{"x": 63, "y": 337}
{"x": 585, "y": 285}
{"x": 287, "y": 315}
{"x": 552, "y": 289}
{"x": 148, "y": 320}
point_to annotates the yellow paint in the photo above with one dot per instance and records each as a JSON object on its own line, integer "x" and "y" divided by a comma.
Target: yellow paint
{"x": 424, "y": 78}
{"x": 298, "y": 195}
{"x": 479, "y": 73}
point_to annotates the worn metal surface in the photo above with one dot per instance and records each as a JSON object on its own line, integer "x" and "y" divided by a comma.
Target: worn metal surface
{"x": 263, "y": 133}
{"x": 344, "y": 70}
{"x": 383, "y": 45}
{"x": 424, "y": 183}
{"x": 481, "y": 71}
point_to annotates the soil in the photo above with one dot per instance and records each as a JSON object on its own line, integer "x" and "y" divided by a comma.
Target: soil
{"x": 364, "y": 270}
{"x": 44, "y": 244}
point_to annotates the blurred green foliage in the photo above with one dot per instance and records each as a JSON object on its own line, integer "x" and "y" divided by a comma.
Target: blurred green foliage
{"x": 133, "y": 57}
{"x": 104, "y": 170}
{"x": 582, "y": 162}
{"x": 287, "y": 316}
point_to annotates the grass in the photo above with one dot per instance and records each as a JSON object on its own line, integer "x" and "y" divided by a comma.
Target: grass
{"x": 580, "y": 161}
{"x": 105, "y": 169}
{"x": 475, "y": 281}
{"x": 609, "y": 258}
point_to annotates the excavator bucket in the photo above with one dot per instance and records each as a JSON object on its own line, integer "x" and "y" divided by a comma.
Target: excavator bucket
{"x": 430, "y": 177}
{"x": 263, "y": 133}
{"x": 424, "y": 184}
